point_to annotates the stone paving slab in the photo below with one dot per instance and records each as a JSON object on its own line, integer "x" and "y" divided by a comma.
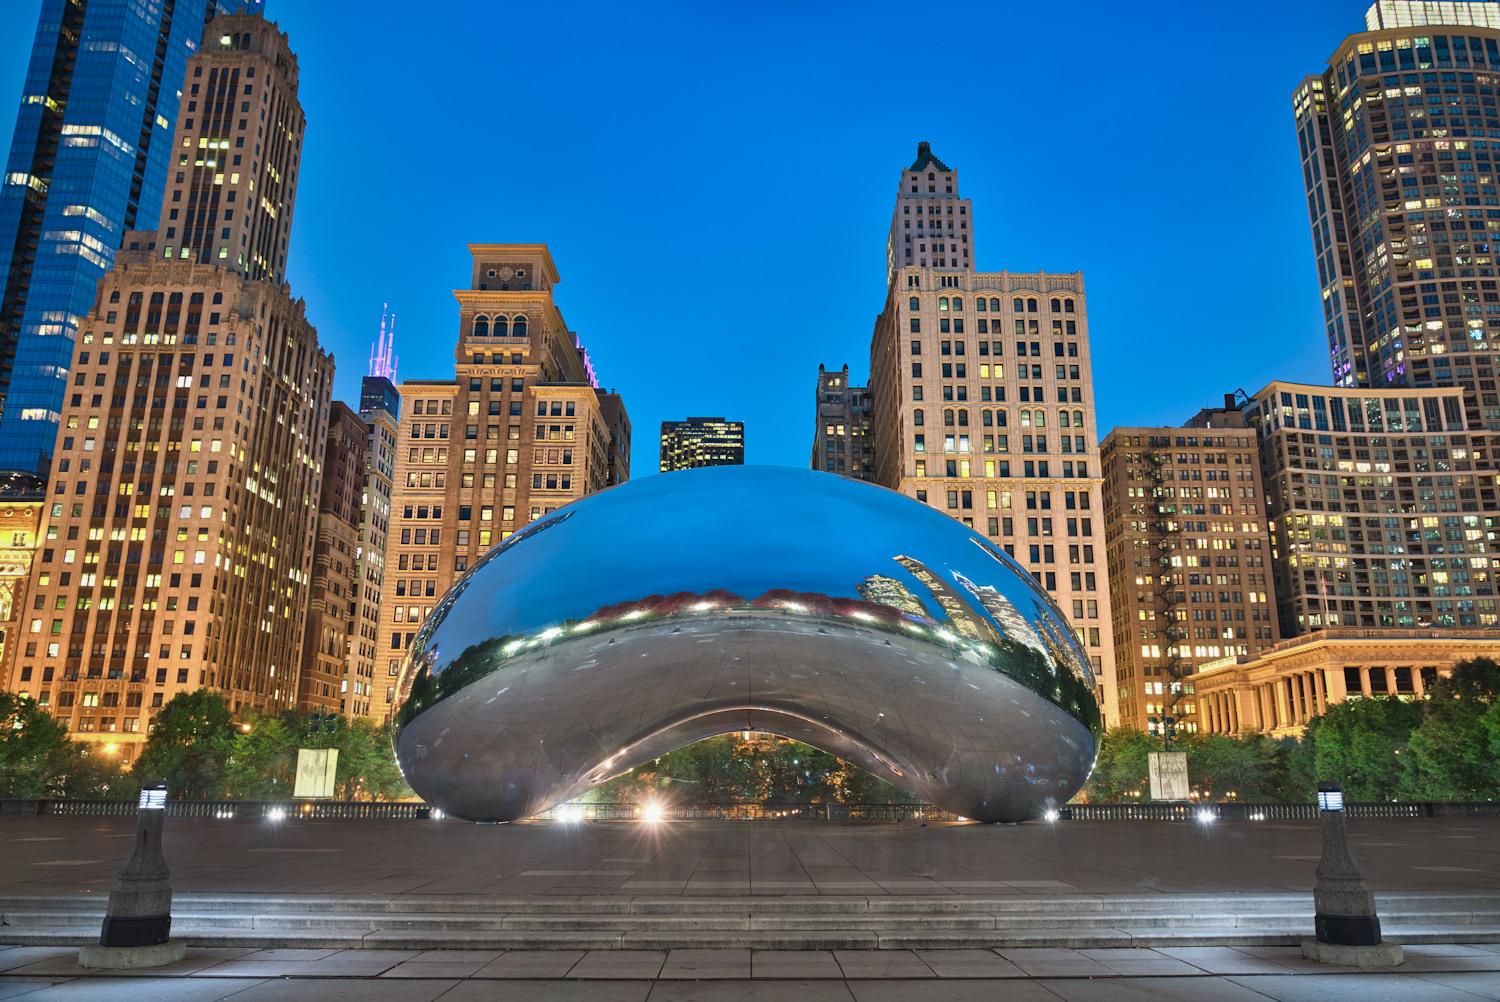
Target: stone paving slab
{"x": 761, "y": 859}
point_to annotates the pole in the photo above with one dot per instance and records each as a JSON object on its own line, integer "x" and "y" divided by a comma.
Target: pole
{"x": 1347, "y": 928}
{"x": 138, "y": 921}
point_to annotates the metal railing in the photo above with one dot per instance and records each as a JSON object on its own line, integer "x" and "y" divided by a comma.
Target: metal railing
{"x": 337, "y": 810}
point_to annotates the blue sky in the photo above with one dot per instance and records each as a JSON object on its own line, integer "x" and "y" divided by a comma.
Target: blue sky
{"x": 716, "y": 182}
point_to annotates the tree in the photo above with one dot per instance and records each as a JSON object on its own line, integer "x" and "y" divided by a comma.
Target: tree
{"x": 1120, "y": 769}
{"x": 1449, "y": 755}
{"x": 263, "y": 762}
{"x": 1248, "y": 769}
{"x": 1358, "y": 743}
{"x": 190, "y": 746}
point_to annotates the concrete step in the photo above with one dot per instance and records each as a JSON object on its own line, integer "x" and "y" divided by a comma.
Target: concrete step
{"x": 749, "y": 939}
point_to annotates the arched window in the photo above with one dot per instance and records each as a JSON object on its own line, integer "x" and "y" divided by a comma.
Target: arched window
{"x": 1025, "y": 419}
{"x": 502, "y": 326}
{"x": 914, "y": 303}
{"x": 1078, "y": 419}
{"x": 963, "y": 419}
{"x": 979, "y": 303}
{"x": 1031, "y": 306}
{"x": 943, "y": 305}
{"x": 958, "y": 302}
{"x": 518, "y": 327}
{"x": 987, "y": 419}
{"x": 1039, "y": 419}
{"x": 1019, "y": 305}
{"x": 917, "y": 418}
{"x": 1062, "y": 418}
{"x": 481, "y": 326}
{"x": 1056, "y": 305}
{"x": 1001, "y": 420}
{"x": 1067, "y": 306}
{"x": 948, "y": 416}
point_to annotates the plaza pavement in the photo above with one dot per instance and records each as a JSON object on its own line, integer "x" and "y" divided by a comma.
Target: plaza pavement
{"x": 66, "y": 855}
{"x": 1437, "y": 973}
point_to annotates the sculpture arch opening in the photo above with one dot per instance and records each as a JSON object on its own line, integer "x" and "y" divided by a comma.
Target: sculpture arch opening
{"x": 691, "y": 604}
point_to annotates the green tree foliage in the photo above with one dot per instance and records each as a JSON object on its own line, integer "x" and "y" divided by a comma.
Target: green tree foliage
{"x": 190, "y": 746}
{"x": 1248, "y": 769}
{"x": 38, "y": 760}
{"x": 1119, "y": 774}
{"x": 1358, "y": 744}
{"x": 1449, "y": 754}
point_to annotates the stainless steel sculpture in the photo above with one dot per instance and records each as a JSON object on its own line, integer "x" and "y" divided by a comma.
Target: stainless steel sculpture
{"x": 690, "y": 604}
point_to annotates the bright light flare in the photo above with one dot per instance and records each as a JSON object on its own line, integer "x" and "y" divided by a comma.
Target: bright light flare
{"x": 276, "y": 814}
{"x": 1206, "y": 816}
{"x": 1051, "y": 814}
{"x": 569, "y": 814}
{"x": 652, "y": 812}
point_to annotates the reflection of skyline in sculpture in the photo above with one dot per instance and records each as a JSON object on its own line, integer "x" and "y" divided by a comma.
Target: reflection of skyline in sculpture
{"x": 887, "y": 591}
{"x": 635, "y": 624}
{"x": 1013, "y": 625}
{"x": 960, "y": 617}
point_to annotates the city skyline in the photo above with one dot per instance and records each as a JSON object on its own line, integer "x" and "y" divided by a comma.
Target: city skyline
{"x": 717, "y": 155}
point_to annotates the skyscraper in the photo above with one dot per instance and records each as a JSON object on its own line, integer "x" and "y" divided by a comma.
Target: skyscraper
{"x": 1404, "y": 199}
{"x": 333, "y": 599}
{"x": 983, "y": 404}
{"x": 380, "y": 407}
{"x": 1189, "y": 559}
{"x": 87, "y": 163}
{"x": 519, "y": 431}
{"x": 178, "y": 542}
{"x": 843, "y": 440}
{"x": 701, "y": 441}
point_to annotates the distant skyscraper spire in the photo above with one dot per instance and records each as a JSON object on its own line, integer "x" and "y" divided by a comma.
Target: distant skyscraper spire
{"x": 383, "y": 356}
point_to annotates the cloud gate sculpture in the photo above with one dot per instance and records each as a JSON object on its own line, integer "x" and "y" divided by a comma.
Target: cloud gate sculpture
{"x": 690, "y": 604}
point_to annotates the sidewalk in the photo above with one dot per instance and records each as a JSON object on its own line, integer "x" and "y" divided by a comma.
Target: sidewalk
{"x": 1439, "y": 973}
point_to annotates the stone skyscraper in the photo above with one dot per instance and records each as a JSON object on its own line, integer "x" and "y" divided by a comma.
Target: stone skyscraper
{"x": 380, "y": 407}
{"x": 87, "y": 163}
{"x": 701, "y": 441}
{"x": 983, "y": 404}
{"x": 519, "y": 431}
{"x": 178, "y": 541}
{"x": 1189, "y": 559}
{"x": 843, "y": 439}
{"x": 1404, "y": 199}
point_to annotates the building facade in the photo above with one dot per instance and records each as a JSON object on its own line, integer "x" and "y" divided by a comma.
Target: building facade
{"x": 178, "y": 539}
{"x": 982, "y": 402}
{"x": 87, "y": 163}
{"x": 1189, "y": 560}
{"x": 1381, "y": 515}
{"x": 519, "y": 431}
{"x": 380, "y": 408}
{"x": 843, "y": 438}
{"x": 333, "y": 606}
{"x": 1281, "y": 689}
{"x": 701, "y": 441}
{"x": 22, "y": 499}
{"x": 1404, "y": 200}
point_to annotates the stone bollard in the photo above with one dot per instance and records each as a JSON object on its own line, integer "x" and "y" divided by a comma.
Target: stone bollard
{"x": 138, "y": 922}
{"x": 1347, "y": 928}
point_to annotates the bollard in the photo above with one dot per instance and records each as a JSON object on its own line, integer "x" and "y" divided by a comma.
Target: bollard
{"x": 1346, "y": 925}
{"x": 138, "y": 922}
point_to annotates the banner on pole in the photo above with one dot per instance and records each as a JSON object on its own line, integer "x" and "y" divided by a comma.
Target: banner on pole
{"x": 315, "y": 771}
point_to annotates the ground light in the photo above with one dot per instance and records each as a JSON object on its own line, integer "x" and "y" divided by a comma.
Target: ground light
{"x": 276, "y": 814}
{"x": 1206, "y": 816}
{"x": 1051, "y": 814}
{"x": 652, "y": 812}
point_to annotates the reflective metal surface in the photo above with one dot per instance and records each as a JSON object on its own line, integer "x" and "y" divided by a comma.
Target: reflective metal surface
{"x": 743, "y": 598}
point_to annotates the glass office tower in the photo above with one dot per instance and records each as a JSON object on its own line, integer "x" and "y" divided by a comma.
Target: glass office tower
{"x": 88, "y": 161}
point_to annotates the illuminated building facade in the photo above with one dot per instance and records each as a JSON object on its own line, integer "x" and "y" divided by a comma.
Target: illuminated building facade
{"x": 843, "y": 439}
{"x": 22, "y": 498}
{"x": 1189, "y": 560}
{"x": 1403, "y": 195}
{"x": 982, "y": 402}
{"x": 1381, "y": 515}
{"x": 380, "y": 408}
{"x": 177, "y": 544}
{"x": 88, "y": 159}
{"x": 519, "y": 431}
{"x": 332, "y": 612}
{"x": 1279, "y": 690}
{"x": 701, "y": 441}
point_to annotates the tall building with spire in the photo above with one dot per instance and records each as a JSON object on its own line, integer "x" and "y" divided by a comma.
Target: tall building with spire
{"x": 519, "y": 431}
{"x": 177, "y": 548}
{"x": 982, "y": 402}
{"x": 1404, "y": 200}
{"x": 380, "y": 407}
{"x": 88, "y": 161}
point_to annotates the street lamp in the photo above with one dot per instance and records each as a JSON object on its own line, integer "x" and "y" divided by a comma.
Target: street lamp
{"x": 138, "y": 921}
{"x": 1347, "y": 927}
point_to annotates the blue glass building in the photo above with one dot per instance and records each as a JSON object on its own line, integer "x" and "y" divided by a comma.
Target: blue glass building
{"x": 88, "y": 161}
